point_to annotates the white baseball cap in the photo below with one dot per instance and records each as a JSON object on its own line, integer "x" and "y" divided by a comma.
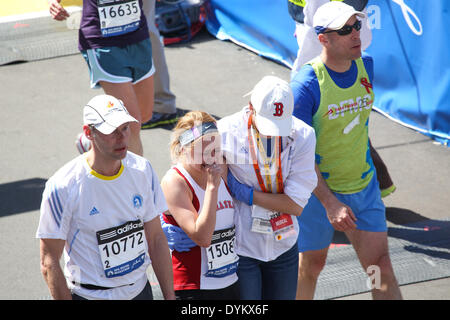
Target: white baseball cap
{"x": 333, "y": 15}
{"x": 106, "y": 113}
{"x": 273, "y": 102}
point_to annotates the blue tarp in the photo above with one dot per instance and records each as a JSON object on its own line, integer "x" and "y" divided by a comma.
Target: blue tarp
{"x": 410, "y": 47}
{"x": 263, "y": 26}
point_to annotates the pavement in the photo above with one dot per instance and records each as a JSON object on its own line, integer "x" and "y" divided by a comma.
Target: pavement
{"x": 41, "y": 104}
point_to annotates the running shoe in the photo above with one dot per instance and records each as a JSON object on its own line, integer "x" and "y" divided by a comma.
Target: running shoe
{"x": 160, "y": 119}
{"x": 82, "y": 143}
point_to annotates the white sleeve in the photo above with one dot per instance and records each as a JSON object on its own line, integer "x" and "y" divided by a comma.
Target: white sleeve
{"x": 158, "y": 204}
{"x": 302, "y": 177}
{"x": 55, "y": 211}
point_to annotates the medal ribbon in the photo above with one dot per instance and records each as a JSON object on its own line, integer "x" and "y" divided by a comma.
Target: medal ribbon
{"x": 279, "y": 176}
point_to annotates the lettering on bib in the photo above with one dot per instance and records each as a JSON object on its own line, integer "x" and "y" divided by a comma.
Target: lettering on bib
{"x": 118, "y": 16}
{"x": 348, "y": 106}
{"x": 122, "y": 248}
{"x": 222, "y": 259}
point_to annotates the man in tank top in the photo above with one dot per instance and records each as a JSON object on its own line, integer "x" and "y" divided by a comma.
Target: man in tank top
{"x": 333, "y": 93}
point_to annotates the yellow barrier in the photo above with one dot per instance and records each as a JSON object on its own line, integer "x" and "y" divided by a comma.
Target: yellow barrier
{"x": 15, "y": 7}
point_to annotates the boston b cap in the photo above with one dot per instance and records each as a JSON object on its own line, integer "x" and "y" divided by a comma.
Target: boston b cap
{"x": 333, "y": 15}
{"x": 106, "y": 113}
{"x": 273, "y": 102}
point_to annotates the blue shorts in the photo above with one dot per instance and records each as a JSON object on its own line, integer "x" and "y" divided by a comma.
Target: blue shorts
{"x": 131, "y": 63}
{"x": 316, "y": 231}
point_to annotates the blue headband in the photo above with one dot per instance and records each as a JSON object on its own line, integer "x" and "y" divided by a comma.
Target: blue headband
{"x": 195, "y": 132}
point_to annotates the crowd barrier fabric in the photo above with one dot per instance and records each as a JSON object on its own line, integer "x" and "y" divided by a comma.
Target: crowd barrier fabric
{"x": 410, "y": 47}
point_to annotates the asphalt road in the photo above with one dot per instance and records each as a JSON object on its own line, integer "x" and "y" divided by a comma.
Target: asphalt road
{"x": 41, "y": 104}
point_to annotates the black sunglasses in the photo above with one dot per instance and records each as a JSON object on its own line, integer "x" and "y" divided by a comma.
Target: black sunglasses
{"x": 346, "y": 29}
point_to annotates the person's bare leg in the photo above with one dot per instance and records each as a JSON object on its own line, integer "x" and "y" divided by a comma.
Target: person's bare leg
{"x": 144, "y": 91}
{"x": 373, "y": 253}
{"x": 126, "y": 93}
{"x": 310, "y": 265}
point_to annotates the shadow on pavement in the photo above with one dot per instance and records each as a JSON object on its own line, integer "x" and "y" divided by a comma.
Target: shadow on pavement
{"x": 424, "y": 235}
{"x": 21, "y": 196}
{"x": 180, "y": 113}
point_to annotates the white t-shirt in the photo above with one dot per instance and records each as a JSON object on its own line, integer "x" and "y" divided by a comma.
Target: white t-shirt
{"x": 101, "y": 218}
{"x": 299, "y": 180}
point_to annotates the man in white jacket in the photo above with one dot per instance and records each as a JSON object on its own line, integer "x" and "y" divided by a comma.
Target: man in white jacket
{"x": 271, "y": 157}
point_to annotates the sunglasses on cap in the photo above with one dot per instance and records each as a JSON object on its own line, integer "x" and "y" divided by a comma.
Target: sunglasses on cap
{"x": 347, "y": 29}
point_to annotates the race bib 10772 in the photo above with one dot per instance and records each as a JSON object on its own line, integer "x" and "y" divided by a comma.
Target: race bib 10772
{"x": 122, "y": 248}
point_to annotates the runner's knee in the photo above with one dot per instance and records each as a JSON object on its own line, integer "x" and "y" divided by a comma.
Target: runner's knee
{"x": 383, "y": 262}
{"x": 311, "y": 264}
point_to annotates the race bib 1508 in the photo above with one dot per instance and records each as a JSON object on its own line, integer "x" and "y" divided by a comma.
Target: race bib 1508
{"x": 222, "y": 259}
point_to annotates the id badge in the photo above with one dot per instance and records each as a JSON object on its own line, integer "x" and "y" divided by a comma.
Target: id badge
{"x": 260, "y": 212}
{"x": 261, "y": 226}
{"x": 261, "y": 220}
{"x": 282, "y": 226}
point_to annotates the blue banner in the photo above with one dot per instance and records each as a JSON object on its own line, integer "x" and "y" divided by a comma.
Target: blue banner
{"x": 263, "y": 26}
{"x": 410, "y": 47}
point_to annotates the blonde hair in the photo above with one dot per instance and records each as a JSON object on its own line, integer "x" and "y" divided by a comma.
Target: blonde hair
{"x": 188, "y": 121}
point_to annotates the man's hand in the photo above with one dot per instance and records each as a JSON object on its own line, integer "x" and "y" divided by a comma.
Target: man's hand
{"x": 57, "y": 11}
{"x": 341, "y": 217}
{"x": 339, "y": 214}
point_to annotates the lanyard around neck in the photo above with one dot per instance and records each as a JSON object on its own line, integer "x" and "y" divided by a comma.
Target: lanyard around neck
{"x": 277, "y": 152}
